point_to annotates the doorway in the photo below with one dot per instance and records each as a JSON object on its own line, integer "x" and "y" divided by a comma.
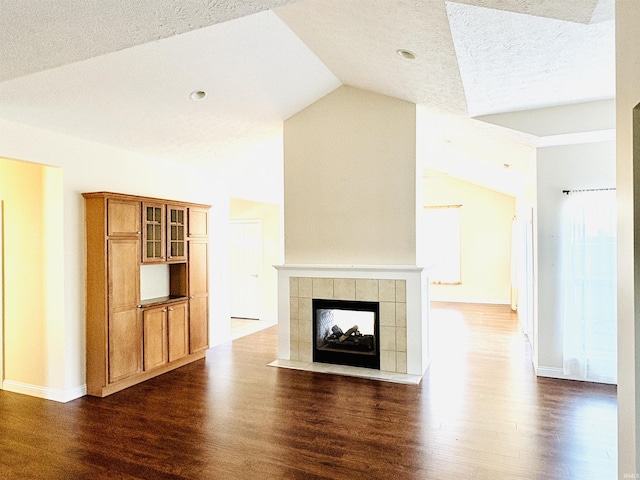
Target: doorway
{"x": 246, "y": 269}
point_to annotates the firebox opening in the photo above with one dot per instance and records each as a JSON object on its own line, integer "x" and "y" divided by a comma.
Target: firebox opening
{"x": 346, "y": 333}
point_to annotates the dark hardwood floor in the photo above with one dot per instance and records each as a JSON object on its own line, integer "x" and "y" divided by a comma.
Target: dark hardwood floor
{"x": 479, "y": 413}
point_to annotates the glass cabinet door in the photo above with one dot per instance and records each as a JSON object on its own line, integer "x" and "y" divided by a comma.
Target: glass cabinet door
{"x": 177, "y": 233}
{"x": 153, "y": 245}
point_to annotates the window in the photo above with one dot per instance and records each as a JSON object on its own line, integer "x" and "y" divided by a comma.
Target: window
{"x": 589, "y": 286}
{"x": 442, "y": 233}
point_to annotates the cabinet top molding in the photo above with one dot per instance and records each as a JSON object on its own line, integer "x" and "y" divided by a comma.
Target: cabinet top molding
{"x": 125, "y": 196}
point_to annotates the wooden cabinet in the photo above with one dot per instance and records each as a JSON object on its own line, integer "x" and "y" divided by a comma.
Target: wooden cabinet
{"x": 123, "y": 218}
{"x": 164, "y": 233}
{"x": 155, "y": 337}
{"x": 198, "y": 224}
{"x": 124, "y": 332}
{"x": 130, "y": 339}
{"x": 166, "y": 335}
{"x": 176, "y": 233}
{"x": 178, "y": 331}
{"x": 153, "y": 233}
{"x": 198, "y": 296}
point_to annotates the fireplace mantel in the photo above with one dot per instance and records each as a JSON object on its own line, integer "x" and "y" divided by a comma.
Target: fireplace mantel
{"x": 404, "y": 343}
{"x": 349, "y": 268}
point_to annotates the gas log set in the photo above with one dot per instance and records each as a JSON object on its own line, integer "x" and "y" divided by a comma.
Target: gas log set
{"x": 352, "y": 339}
{"x": 334, "y": 341}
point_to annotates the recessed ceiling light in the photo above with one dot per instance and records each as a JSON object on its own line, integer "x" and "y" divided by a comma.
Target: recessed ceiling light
{"x": 197, "y": 95}
{"x": 406, "y": 54}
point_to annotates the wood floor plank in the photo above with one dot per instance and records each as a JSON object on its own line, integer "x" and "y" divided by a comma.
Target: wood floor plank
{"x": 479, "y": 413}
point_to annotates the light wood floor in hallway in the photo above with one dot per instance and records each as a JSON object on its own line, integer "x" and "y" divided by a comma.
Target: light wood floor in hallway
{"x": 479, "y": 413}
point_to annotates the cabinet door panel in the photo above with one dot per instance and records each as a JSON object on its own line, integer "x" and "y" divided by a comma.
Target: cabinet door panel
{"x": 198, "y": 323}
{"x": 153, "y": 239}
{"x": 198, "y": 296}
{"x": 123, "y": 217}
{"x": 176, "y": 233}
{"x": 198, "y": 262}
{"x": 125, "y": 344}
{"x": 178, "y": 327}
{"x": 124, "y": 273}
{"x": 198, "y": 222}
{"x": 155, "y": 337}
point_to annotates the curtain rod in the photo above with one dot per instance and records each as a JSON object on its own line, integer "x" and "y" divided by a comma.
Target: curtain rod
{"x": 588, "y": 190}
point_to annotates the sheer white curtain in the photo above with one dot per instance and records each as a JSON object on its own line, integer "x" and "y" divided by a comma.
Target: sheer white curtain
{"x": 589, "y": 286}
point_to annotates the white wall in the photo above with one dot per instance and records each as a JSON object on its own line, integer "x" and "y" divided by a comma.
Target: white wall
{"x": 86, "y": 167}
{"x": 628, "y": 183}
{"x": 569, "y": 167}
{"x": 254, "y": 168}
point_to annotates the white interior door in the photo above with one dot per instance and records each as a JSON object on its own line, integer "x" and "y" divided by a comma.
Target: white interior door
{"x": 246, "y": 269}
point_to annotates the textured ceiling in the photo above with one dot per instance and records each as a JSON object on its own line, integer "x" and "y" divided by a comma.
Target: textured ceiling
{"x": 139, "y": 98}
{"x": 472, "y": 57}
{"x": 579, "y": 11}
{"x": 556, "y": 62}
{"x": 36, "y": 35}
{"x": 357, "y": 40}
{"x": 120, "y": 72}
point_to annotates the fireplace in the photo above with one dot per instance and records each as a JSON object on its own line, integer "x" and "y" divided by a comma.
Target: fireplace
{"x": 346, "y": 332}
{"x": 401, "y": 293}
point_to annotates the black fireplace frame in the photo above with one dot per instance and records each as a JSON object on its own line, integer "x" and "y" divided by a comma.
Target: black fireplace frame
{"x": 342, "y": 356}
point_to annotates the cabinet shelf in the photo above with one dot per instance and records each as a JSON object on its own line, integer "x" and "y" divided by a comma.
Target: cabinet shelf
{"x": 169, "y": 299}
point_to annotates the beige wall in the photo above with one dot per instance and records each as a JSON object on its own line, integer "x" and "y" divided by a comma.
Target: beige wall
{"x": 350, "y": 181}
{"x": 485, "y": 218}
{"x": 628, "y": 188}
{"x": 269, "y": 215}
{"x": 33, "y": 292}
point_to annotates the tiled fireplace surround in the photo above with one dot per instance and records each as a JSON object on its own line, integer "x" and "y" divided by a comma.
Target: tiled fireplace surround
{"x": 401, "y": 292}
{"x": 393, "y": 314}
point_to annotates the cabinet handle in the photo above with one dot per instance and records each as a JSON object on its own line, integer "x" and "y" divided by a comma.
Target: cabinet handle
{"x": 138, "y": 233}
{"x": 170, "y": 309}
{"x": 164, "y": 309}
{"x": 139, "y": 306}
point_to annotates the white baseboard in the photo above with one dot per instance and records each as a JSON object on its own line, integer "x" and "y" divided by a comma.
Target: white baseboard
{"x": 47, "y": 393}
{"x": 488, "y": 301}
{"x": 551, "y": 372}
{"x": 555, "y": 372}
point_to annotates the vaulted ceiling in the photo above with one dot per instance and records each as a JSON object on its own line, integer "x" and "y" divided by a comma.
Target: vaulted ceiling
{"x": 121, "y": 72}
